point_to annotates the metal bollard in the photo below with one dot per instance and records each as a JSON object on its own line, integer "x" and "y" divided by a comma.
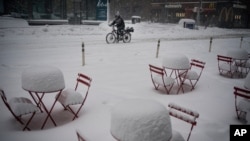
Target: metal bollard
{"x": 158, "y": 48}
{"x": 83, "y": 54}
{"x": 210, "y": 46}
{"x": 241, "y": 39}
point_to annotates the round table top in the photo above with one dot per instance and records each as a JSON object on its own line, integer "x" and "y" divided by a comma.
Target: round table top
{"x": 238, "y": 54}
{"x": 42, "y": 79}
{"x": 176, "y": 61}
{"x": 140, "y": 120}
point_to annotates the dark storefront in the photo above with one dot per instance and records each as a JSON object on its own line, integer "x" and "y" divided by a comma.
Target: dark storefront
{"x": 232, "y": 15}
{"x": 72, "y": 10}
{"x": 63, "y": 9}
{"x": 222, "y": 13}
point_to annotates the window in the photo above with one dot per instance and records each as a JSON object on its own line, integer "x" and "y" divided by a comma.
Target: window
{"x": 180, "y": 14}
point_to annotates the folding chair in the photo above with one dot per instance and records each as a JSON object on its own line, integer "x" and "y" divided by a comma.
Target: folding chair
{"x": 70, "y": 97}
{"x": 226, "y": 66}
{"x": 242, "y": 104}
{"x": 184, "y": 114}
{"x": 159, "y": 78}
{"x": 194, "y": 73}
{"x": 20, "y": 106}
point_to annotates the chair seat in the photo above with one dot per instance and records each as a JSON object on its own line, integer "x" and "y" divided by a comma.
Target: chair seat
{"x": 22, "y": 106}
{"x": 244, "y": 105}
{"x": 247, "y": 64}
{"x": 240, "y": 63}
{"x": 167, "y": 80}
{"x": 70, "y": 97}
{"x": 176, "y": 136}
{"x": 192, "y": 75}
{"x": 227, "y": 67}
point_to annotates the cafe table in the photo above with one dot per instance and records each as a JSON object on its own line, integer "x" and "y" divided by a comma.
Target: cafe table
{"x": 43, "y": 80}
{"x": 177, "y": 65}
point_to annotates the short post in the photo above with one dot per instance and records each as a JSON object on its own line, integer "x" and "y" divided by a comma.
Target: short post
{"x": 210, "y": 46}
{"x": 158, "y": 47}
{"x": 83, "y": 54}
{"x": 241, "y": 39}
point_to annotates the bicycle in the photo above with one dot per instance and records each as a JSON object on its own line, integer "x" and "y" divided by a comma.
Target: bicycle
{"x": 125, "y": 36}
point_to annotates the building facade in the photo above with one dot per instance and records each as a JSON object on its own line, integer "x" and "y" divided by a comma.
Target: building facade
{"x": 222, "y": 13}
{"x": 58, "y": 9}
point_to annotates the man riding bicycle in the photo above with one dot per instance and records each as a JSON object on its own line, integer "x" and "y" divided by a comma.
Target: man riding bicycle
{"x": 119, "y": 23}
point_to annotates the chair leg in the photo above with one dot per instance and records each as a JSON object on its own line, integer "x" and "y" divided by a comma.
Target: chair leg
{"x": 156, "y": 86}
{"x": 19, "y": 119}
{"x": 236, "y": 109}
{"x": 193, "y": 84}
{"x": 78, "y": 111}
{"x": 72, "y": 111}
{"x": 170, "y": 88}
{"x": 28, "y": 122}
{"x": 190, "y": 132}
{"x": 80, "y": 138}
{"x": 65, "y": 108}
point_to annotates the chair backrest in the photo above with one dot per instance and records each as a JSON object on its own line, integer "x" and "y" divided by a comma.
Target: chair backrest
{"x": 197, "y": 64}
{"x": 242, "y": 92}
{"x": 4, "y": 98}
{"x": 156, "y": 70}
{"x": 86, "y": 81}
{"x": 184, "y": 114}
{"x": 83, "y": 79}
{"x": 222, "y": 58}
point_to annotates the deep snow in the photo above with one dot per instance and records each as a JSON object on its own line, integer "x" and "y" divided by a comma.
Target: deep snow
{"x": 119, "y": 72}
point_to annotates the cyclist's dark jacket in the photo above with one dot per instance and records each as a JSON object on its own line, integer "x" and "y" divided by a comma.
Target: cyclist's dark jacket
{"x": 119, "y": 22}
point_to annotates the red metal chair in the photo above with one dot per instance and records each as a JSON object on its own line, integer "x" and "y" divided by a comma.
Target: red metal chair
{"x": 242, "y": 102}
{"x": 184, "y": 114}
{"x": 19, "y": 107}
{"x": 160, "y": 78}
{"x": 226, "y": 66}
{"x": 70, "y": 97}
{"x": 194, "y": 73}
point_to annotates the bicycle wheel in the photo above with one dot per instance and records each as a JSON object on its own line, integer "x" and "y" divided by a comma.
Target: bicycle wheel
{"x": 110, "y": 38}
{"x": 126, "y": 38}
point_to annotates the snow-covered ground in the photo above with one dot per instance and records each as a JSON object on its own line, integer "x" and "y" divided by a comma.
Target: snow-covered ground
{"x": 119, "y": 72}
